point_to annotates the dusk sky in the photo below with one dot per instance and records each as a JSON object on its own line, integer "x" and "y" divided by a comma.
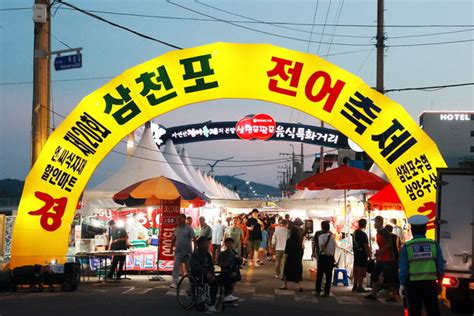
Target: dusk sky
{"x": 350, "y": 27}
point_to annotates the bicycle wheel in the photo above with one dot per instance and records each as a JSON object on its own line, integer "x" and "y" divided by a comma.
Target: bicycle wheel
{"x": 186, "y": 292}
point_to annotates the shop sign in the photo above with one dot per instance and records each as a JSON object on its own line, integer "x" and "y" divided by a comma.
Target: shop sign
{"x": 260, "y": 126}
{"x": 305, "y": 82}
{"x": 169, "y": 212}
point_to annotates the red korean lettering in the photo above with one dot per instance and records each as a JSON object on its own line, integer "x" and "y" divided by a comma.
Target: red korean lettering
{"x": 285, "y": 71}
{"x": 331, "y": 92}
{"x": 52, "y": 211}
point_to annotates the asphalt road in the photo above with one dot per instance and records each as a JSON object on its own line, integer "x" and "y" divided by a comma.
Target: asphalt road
{"x": 258, "y": 292}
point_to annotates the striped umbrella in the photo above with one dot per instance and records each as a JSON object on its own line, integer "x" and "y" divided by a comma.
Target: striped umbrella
{"x": 153, "y": 191}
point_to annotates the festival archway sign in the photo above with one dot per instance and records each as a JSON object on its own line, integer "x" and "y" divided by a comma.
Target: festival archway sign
{"x": 302, "y": 81}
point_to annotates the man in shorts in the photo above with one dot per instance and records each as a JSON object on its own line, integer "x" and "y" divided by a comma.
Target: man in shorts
{"x": 254, "y": 225}
{"x": 361, "y": 254}
{"x": 182, "y": 239}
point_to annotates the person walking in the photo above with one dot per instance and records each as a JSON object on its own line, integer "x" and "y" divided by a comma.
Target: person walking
{"x": 327, "y": 249}
{"x": 263, "y": 248}
{"x": 235, "y": 232}
{"x": 217, "y": 237}
{"x": 421, "y": 269}
{"x": 385, "y": 263}
{"x": 254, "y": 225}
{"x": 204, "y": 229}
{"x": 397, "y": 230}
{"x": 293, "y": 271}
{"x": 182, "y": 242}
{"x": 245, "y": 232}
{"x": 362, "y": 252}
{"x": 279, "y": 238}
{"x": 118, "y": 241}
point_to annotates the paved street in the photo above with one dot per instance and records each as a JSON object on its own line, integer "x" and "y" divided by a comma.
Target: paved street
{"x": 258, "y": 292}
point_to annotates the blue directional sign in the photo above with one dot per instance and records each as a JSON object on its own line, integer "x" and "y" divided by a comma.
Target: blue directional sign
{"x": 68, "y": 62}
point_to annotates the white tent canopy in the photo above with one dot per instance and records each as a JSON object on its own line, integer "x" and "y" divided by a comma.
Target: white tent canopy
{"x": 174, "y": 160}
{"x": 147, "y": 162}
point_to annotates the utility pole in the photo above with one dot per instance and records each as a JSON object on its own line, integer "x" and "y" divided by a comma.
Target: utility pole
{"x": 301, "y": 171}
{"x": 41, "y": 80}
{"x": 380, "y": 46}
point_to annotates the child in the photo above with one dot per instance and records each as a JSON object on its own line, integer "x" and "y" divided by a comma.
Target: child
{"x": 230, "y": 262}
{"x": 263, "y": 249}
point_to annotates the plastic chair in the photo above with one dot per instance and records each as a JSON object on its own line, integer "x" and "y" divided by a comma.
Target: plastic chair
{"x": 344, "y": 280}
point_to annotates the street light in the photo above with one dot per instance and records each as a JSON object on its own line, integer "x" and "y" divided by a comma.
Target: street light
{"x": 210, "y": 172}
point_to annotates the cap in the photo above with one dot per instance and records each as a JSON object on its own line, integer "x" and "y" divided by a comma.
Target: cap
{"x": 418, "y": 220}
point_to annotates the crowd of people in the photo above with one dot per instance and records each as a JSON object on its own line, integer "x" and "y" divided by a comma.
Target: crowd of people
{"x": 255, "y": 239}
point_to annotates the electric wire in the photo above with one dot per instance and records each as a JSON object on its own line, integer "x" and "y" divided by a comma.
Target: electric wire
{"x": 120, "y": 26}
{"x": 276, "y": 25}
{"x": 431, "y": 87}
{"x": 262, "y": 22}
{"x": 259, "y": 31}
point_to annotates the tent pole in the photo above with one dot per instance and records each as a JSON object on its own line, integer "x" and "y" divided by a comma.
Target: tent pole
{"x": 347, "y": 229}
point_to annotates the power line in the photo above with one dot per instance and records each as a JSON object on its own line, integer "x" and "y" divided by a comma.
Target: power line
{"x": 324, "y": 26}
{"x": 15, "y": 9}
{"x": 58, "y": 80}
{"x": 120, "y": 26}
{"x": 259, "y": 31}
{"x": 430, "y": 34}
{"x": 111, "y": 77}
{"x": 274, "y": 22}
{"x": 262, "y": 21}
{"x": 432, "y": 87}
{"x": 335, "y": 27}
{"x": 276, "y": 25}
{"x": 431, "y": 44}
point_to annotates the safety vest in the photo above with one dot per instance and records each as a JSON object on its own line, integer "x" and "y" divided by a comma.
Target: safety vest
{"x": 422, "y": 254}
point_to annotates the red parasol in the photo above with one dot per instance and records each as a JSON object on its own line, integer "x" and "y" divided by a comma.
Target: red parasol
{"x": 386, "y": 198}
{"x": 343, "y": 178}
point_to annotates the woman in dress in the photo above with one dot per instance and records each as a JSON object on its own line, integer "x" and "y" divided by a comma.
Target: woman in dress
{"x": 293, "y": 271}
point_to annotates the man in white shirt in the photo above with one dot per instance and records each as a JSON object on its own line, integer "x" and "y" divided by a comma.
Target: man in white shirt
{"x": 217, "y": 235}
{"x": 327, "y": 249}
{"x": 397, "y": 230}
{"x": 279, "y": 242}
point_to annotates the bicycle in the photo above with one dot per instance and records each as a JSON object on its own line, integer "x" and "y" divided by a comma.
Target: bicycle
{"x": 192, "y": 292}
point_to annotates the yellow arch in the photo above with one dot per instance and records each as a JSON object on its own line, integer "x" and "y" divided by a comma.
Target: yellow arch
{"x": 222, "y": 70}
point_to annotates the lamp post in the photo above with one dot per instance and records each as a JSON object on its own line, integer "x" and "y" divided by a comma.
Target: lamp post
{"x": 211, "y": 172}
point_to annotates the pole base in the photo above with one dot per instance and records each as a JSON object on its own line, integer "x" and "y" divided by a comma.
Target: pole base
{"x": 156, "y": 278}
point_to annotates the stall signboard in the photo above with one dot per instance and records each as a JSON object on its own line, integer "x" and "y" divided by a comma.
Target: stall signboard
{"x": 305, "y": 82}
{"x": 170, "y": 210}
{"x": 142, "y": 260}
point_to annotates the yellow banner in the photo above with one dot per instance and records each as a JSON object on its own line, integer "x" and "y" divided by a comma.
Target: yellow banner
{"x": 247, "y": 71}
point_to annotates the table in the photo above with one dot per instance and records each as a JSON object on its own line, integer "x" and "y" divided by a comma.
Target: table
{"x": 102, "y": 256}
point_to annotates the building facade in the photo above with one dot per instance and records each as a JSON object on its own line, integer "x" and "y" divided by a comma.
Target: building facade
{"x": 453, "y": 132}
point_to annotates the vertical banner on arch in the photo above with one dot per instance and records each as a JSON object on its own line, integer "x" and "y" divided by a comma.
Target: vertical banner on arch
{"x": 169, "y": 212}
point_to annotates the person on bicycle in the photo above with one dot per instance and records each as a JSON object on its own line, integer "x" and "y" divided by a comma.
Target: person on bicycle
{"x": 230, "y": 262}
{"x": 202, "y": 268}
